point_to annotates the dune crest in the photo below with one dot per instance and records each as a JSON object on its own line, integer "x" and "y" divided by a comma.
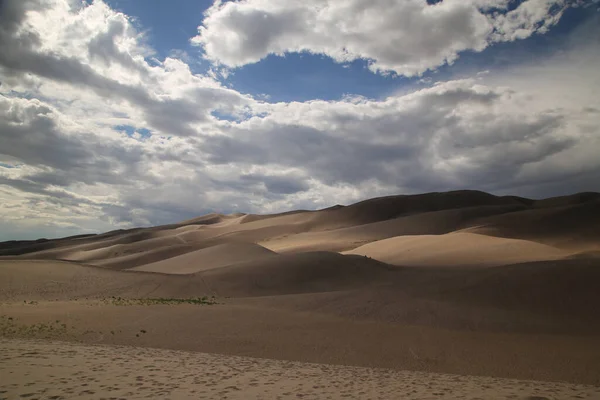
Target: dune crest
{"x": 211, "y": 257}
{"x": 457, "y": 249}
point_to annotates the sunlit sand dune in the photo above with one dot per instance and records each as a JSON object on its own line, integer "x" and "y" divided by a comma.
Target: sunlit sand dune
{"x": 462, "y": 283}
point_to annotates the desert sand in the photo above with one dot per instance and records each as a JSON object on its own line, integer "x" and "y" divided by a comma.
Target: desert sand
{"x": 498, "y": 292}
{"x": 457, "y": 249}
{"x": 54, "y": 370}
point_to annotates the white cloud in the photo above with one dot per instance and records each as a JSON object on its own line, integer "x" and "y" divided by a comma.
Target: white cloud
{"x": 407, "y": 37}
{"x": 455, "y": 134}
{"x": 80, "y": 71}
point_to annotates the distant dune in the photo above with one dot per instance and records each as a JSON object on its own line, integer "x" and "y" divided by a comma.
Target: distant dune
{"x": 296, "y": 273}
{"x": 457, "y": 249}
{"x": 211, "y": 257}
{"x": 568, "y": 222}
{"x": 460, "y": 282}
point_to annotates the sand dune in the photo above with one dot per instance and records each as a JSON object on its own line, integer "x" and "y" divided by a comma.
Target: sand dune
{"x": 572, "y": 226}
{"x": 15, "y": 248}
{"x": 548, "y": 288}
{"x": 295, "y": 273}
{"x": 209, "y": 258}
{"x": 561, "y": 201}
{"x": 461, "y": 282}
{"x": 384, "y": 208}
{"x": 369, "y": 211}
{"x": 208, "y": 219}
{"x": 119, "y": 250}
{"x": 329, "y": 308}
{"x": 49, "y": 281}
{"x": 427, "y": 223}
{"x": 550, "y": 296}
{"x": 565, "y": 222}
{"x": 457, "y": 249}
{"x": 244, "y": 327}
{"x": 255, "y": 217}
{"x": 145, "y": 257}
{"x": 64, "y": 248}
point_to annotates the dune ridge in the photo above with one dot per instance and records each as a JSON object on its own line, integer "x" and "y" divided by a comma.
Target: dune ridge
{"x": 567, "y": 222}
{"x": 208, "y": 258}
{"x": 457, "y": 249}
{"x": 460, "y": 282}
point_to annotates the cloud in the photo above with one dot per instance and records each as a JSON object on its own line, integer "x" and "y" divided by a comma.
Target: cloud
{"x": 455, "y": 134}
{"x": 73, "y": 73}
{"x": 406, "y": 37}
{"x": 29, "y": 131}
{"x": 283, "y": 184}
{"x": 95, "y": 48}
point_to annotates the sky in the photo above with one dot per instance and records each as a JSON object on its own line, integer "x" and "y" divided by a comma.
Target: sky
{"x": 124, "y": 113}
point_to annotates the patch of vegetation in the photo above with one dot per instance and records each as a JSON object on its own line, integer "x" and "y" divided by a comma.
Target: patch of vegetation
{"x": 120, "y": 301}
{"x": 10, "y": 327}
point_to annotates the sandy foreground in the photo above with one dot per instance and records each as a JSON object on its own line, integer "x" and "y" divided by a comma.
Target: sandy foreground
{"x": 451, "y": 286}
{"x": 34, "y": 369}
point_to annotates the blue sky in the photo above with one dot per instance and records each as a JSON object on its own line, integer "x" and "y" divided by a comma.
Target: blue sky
{"x": 304, "y": 76}
{"x": 123, "y": 113}
{"x": 295, "y": 77}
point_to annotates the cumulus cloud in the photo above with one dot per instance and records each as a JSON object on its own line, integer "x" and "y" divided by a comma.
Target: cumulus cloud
{"x": 76, "y": 77}
{"x": 455, "y": 134}
{"x": 407, "y": 37}
{"x": 97, "y": 49}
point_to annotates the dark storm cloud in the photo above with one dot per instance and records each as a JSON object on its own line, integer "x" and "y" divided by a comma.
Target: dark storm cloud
{"x": 19, "y": 55}
{"x": 431, "y": 142}
{"x": 28, "y": 132}
{"x": 278, "y": 184}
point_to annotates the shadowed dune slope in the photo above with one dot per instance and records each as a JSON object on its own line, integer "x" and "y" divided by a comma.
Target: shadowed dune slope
{"x": 273, "y": 274}
{"x": 144, "y": 257}
{"x": 208, "y": 258}
{"x": 457, "y": 249}
{"x": 118, "y": 250}
{"x": 368, "y": 211}
{"x": 481, "y": 284}
{"x": 384, "y": 208}
{"x": 572, "y": 226}
{"x": 560, "y": 287}
{"x": 539, "y": 297}
{"x": 296, "y": 273}
{"x": 543, "y": 297}
{"x": 208, "y": 219}
{"x": 571, "y": 200}
{"x": 55, "y": 280}
{"x": 427, "y": 223}
{"x": 569, "y": 222}
{"x": 256, "y": 217}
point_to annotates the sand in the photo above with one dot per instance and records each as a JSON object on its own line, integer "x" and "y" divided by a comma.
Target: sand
{"x": 461, "y": 283}
{"x": 567, "y": 224}
{"x": 53, "y": 370}
{"x": 211, "y": 257}
{"x": 457, "y": 249}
